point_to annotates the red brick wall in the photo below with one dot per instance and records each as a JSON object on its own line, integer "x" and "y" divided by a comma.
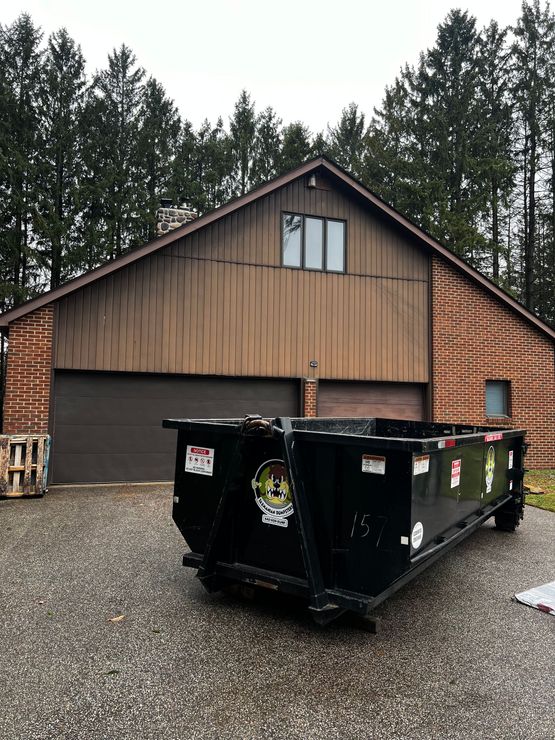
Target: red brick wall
{"x": 476, "y": 338}
{"x": 27, "y": 396}
{"x": 310, "y": 390}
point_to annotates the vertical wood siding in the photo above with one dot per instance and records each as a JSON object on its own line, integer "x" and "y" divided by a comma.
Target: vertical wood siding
{"x": 218, "y": 302}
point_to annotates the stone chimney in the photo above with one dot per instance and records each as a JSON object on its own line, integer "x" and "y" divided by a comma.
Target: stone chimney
{"x": 168, "y": 217}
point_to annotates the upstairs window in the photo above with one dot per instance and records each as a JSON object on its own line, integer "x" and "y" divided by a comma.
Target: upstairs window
{"x": 497, "y": 398}
{"x": 313, "y": 243}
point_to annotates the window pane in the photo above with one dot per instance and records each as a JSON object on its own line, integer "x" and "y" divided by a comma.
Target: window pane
{"x": 335, "y": 253}
{"x": 496, "y": 398}
{"x": 291, "y": 240}
{"x": 314, "y": 238}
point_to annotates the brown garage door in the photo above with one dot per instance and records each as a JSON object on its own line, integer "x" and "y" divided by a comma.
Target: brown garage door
{"x": 107, "y": 426}
{"x": 386, "y": 400}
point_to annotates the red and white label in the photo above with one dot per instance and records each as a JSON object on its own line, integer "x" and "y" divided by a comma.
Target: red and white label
{"x": 421, "y": 465}
{"x": 493, "y": 437}
{"x": 373, "y": 464}
{"x": 510, "y": 459}
{"x": 455, "y": 473}
{"x": 442, "y": 444}
{"x": 199, "y": 460}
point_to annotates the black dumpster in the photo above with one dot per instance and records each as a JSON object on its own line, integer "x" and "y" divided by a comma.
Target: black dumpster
{"x": 341, "y": 512}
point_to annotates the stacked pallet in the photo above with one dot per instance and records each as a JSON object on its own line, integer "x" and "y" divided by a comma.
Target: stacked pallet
{"x": 23, "y": 464}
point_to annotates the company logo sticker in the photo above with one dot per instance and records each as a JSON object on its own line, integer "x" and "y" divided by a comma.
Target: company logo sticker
{"x": 272, "y": 492}
{"x": 490, "y": 468}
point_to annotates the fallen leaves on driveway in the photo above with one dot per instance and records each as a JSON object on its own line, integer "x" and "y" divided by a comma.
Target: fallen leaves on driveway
{"x": 119, "y": 618}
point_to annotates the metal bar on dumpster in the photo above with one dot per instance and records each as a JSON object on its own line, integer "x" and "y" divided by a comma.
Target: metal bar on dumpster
{"x": 207, "y": 569}
{"x": 319, "y": 598}
{"x": 419, "y": 563}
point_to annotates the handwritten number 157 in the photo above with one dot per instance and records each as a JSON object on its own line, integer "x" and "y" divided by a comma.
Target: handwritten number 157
{"x": 363, "y": 524}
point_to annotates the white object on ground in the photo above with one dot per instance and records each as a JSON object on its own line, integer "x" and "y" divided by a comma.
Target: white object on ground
{"x": 542, "y": 598}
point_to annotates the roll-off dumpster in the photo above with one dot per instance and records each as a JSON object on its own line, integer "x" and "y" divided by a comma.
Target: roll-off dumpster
{"x": 341, "y": 512}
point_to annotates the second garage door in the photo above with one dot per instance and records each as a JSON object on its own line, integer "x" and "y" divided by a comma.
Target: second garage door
{"x": 386, "y": 400}
{"x": 107, "y": 426}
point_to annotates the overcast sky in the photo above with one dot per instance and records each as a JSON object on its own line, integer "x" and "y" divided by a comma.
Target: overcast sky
{"x": 306, "y": 58}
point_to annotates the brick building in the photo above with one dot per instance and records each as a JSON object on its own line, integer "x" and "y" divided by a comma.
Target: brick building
{"x": 307, "y": 296}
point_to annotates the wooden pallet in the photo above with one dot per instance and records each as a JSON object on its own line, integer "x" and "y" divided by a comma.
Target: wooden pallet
{"x": 23, "y": 464}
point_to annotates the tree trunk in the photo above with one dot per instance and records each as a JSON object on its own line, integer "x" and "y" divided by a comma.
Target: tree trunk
{"x": 495, "y": 228}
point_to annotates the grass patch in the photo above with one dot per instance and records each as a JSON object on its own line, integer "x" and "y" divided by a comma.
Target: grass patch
{"x": 544, "y": 479}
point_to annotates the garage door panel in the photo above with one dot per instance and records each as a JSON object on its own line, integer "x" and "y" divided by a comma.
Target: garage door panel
{"x": 367, "y": 400}
{"x": 102, "y": 440}
{"x": 126, "y": 465}
{"x": 107, "y": 426}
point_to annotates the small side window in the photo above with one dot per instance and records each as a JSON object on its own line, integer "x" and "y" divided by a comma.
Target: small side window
{"x": 497, "y": 398}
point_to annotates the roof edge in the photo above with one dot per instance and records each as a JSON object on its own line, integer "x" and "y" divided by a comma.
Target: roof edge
{"x": 159, "y": 243}
{"x": 268, "y": 187}
{"x": 438, "y": 248}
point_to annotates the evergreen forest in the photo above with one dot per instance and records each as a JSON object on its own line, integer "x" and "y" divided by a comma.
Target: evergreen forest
{"x": 463, "y": 143}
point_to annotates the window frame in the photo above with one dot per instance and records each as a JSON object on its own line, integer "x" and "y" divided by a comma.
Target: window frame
{"x": 324, "y": 220}
{"x": 506, "y": 384}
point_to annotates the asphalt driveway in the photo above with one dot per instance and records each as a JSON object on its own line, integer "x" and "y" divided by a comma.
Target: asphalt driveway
{"x": 456, "y": 658}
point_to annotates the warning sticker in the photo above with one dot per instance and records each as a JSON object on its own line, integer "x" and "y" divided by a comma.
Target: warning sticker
{"x": 373, "y": 464}
{"x": 421, "y": 465}
{"x": 455, "y": 473}
{"x": 493, "y": 437}
{"x": 510, "y": 459}
{"x": 199, "y": 460}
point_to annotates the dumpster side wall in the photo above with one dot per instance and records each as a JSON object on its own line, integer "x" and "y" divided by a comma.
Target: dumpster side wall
{"x": 29, "y": 373}
{"x": 476, "y": 338}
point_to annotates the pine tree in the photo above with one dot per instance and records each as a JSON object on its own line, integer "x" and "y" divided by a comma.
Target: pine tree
{"x": 546, "y": 262}
{"x": 267, "y": 146}
{"x": 242, "y": 126}
{"x": 320, "y": 145}
{"x": 184, "y": 186}
{"x": 495, "y": 139}
{"x": 347, "y": 140}
{"x": 59, "y": 167}
{"x": 112, "y": 160}
{"x": 534, "y": 40}
{"x": 450, "y": 80}
{"x": 393, "y": 161}
{"x": 20, "y": 72}
{"x": 158, "y": 133}
{"x": 296, "y": 147}
{"x": 95, "y": 183}
{"x": 218, "y": 156}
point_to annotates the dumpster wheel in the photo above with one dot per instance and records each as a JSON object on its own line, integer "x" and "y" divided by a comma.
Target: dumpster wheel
{"x": 507, "y": 521}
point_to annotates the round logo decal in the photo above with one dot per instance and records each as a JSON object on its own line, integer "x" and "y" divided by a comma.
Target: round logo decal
{"x": 417, "y": 535}
{"x": 271, "y": 489}
{"x": 490, "y": 468}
